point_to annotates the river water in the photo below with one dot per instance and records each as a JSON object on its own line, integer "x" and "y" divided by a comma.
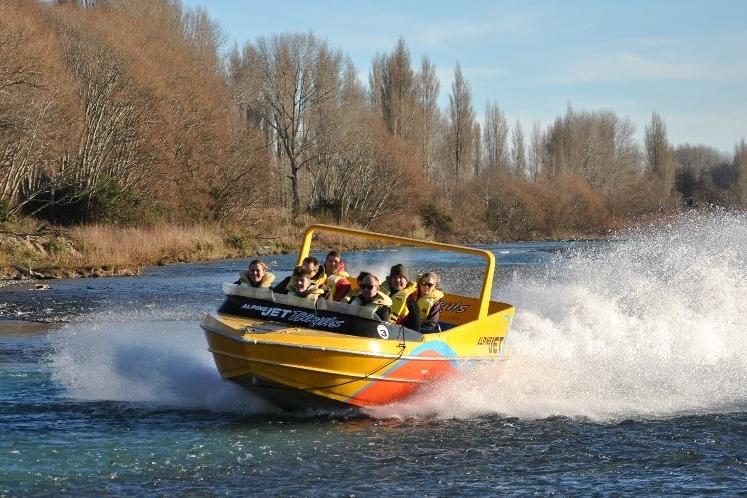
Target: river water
{"x": 627, "y": 375}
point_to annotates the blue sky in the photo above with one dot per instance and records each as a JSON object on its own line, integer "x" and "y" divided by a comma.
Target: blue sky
{"x": 687, "y": 60}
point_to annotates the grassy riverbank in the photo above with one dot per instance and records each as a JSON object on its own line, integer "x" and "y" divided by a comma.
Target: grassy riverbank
{"x": 100, "y": 250}
{"x": 32, "y": 250}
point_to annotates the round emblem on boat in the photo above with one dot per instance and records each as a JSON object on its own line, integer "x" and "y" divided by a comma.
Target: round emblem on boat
{"x": 383, "y": 331}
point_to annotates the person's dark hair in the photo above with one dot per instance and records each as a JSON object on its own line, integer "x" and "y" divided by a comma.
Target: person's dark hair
{"x": 334, "y": 253}
{"x": 300, "y": 271}
{"x": 310, "y": 259}
{"x": 362, "y": 275}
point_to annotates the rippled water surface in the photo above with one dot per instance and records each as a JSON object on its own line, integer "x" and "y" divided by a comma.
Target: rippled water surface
{"x": 627, "y": 375}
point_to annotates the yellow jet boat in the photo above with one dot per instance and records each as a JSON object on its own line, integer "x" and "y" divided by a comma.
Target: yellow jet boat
{"x": 300, "y": 354}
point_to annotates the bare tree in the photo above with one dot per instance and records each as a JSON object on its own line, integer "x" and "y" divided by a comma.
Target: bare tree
{"x": 740, "y": 164}
{"x": 660, "y": 159}
{"x": 397, "y": 90}
{"x": 518, "y": 151}
{"x": 537, "y": 150}
{"x": 495, "y": 135}
{"x": 292, "y": 74}
{"x": 428, "y": 87}
{"x": 376, "y": 80}
{"x": 477, "y": 149}
{"x": 595, "y": 146}
{"x": 693, "y": 164}
{"x": 461, "y": 121}
{"x": 34, "y": 100}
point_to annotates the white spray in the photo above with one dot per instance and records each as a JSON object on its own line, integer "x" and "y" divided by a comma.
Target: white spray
{"x": 652, "y": 325}
{"x": 164, "y": 363}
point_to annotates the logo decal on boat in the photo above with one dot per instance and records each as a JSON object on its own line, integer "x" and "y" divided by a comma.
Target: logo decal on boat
{"x": 458, "y": 307}
{"x": 383, "y": 331}
{"x": 295, "y": 316}
{"x": 492, "y": 342}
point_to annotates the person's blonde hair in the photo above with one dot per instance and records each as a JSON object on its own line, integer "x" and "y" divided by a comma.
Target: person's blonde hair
{"x": 434, "y": 276}
{"x": 260, "y": 263}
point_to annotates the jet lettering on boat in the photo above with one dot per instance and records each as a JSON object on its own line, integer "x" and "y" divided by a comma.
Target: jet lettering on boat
{"x": 296, "y": 316}
{"x": 268, "y": 310}
{"x": 316, "y": 321}
{"x": 457, "y": 307}
{"x": 492, "y": 342}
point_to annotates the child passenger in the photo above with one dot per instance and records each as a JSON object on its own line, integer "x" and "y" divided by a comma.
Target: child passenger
{"x": 301, "y": 285}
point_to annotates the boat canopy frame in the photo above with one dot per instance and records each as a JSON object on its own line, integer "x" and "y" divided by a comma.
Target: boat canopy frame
{"x": 487, "y": 283}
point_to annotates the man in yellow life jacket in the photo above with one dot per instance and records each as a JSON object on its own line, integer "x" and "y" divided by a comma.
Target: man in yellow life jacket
{"x": 370, "y": 296}
{"x": 336, "y": 282}
{"x": 402, "y": 291}
{"x": 257, "y": 275}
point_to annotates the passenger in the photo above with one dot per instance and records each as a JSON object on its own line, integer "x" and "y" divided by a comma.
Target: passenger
{"x": 315, "y": 269}
{"x": 336, "y": 282}
{"x": 371, "y": 297}
{"x": 402, "y": 291}
{"x": 359, "y": 280}
{"x": 256, "y": 275}
{"x": 301, "y": 285}
{"x": 312, "y": 265}
{"x": 429, "y": 301}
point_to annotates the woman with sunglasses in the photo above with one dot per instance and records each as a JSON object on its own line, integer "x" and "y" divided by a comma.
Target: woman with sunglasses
{"x": 429, "y": 301}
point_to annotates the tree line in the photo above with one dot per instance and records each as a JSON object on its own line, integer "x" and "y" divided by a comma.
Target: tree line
{"x": 126, "y": 111}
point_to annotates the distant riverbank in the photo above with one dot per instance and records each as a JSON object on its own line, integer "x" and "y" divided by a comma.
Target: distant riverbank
{"x": 98, "y": 250}
{"x": 103, "y": 250}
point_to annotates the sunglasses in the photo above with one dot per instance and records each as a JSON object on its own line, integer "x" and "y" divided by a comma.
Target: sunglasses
{"x": 428, "y": 284}
{"x": 367, "y": 286}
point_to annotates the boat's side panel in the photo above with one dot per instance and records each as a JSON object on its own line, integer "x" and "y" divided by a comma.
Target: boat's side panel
{"x": 353, "y": 370}
{"x": 334, "y": 367}
{"x": 457, "y": 349}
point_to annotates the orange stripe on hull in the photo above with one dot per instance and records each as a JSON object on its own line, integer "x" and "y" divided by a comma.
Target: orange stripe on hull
{"x": 382, "y": 392}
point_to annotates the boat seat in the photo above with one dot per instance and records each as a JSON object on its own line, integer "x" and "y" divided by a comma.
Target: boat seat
{"x": 246, "y": 291}
{"x": 299, "y": 302}
{"x": 347, "y": 309}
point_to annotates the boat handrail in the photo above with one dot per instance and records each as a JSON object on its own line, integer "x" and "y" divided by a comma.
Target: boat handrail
{"x": 487, "y": 283}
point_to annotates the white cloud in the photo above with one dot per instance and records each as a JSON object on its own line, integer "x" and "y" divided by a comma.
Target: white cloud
{"x": 625, "y": 66}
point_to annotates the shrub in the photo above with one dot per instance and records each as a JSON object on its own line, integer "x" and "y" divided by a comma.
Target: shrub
{"x": 436, "y": 219}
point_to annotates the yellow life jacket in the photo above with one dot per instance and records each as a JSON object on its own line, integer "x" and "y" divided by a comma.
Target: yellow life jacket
{"x": 266, "y": 282}
{"x": 399, "y": 299}
{"x": 319, "y": 278}
{"x": 426, "y": 302}
{"x": 378, "y": 301}
{"x": 313, "y": 292}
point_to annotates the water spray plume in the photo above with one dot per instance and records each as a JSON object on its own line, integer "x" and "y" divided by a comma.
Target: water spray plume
{"x": 652, "y": 325}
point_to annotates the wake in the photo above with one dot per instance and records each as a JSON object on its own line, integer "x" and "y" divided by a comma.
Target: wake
{"x": 652, "y": 325}
{"x": 160, "y": 363}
